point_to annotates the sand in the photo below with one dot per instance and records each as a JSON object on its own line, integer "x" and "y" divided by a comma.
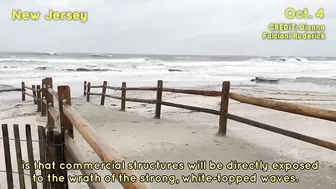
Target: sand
{"x": 186, "y": 136}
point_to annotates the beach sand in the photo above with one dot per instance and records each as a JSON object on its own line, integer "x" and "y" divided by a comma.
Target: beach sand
{"x": 187, "y": 136}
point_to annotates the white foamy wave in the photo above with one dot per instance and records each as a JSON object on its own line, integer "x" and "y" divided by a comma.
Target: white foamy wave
{"x": 58, "y": 60}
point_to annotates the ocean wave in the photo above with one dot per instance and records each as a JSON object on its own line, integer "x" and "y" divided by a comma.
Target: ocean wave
{"x": 282, "y": 59}
{"x": 59, "y": 60}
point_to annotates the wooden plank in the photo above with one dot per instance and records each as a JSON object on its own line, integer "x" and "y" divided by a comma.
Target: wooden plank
{"x": 194, "y": 108}
{"x": 224, "y": 108}
{"x": 39, "y": 101}
{"x": 30, "y": 155}
{"x": 51, "y": 154}
{"x": 23, "y": 91}
{"x": 9, "y": 171}
{"x": 141, "y": 100}
{"x": 194, "y": 92}
{"x": 53, "y": 93}
{"x": 141, "y": 88}
{"x": 123, "y": 96}
{"x": 77, "y": 155}
{"x": 88, "y": 92}
{"x": 158, "y": 99}
{"x": 103, "y": 150}
{"x": 19, "y": 156}
{"x": 42, "y": 144}
{"x": 30, "y": 88}
{"x": 102, "y": 100}
{"x": 96, "y": 86}
{"x": 34, "y": 94}
{"x": 112, "y": 96}
{"x": 29, "y": 95}
{"x": 308, "y": 139}
{"x": 286, "y": 107}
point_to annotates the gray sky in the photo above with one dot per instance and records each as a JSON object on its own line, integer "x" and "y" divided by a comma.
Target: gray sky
{"x": 164, "y": 27}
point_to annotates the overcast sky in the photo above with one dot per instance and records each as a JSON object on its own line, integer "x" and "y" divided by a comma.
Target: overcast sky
{"x": 219, "y": 27}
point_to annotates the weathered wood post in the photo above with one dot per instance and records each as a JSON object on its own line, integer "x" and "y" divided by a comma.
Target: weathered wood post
{"x": 56, "y": 154}
{"x": 84, "y": 88}
{"x": 23, "y": 87}
{"x": 64, "y": 96}
{"x": 123, "y": 96}
{"x": 102, "y": 100}
{"x": 34, "y": 94}
{"x": 43, "y": 98}
{"x": 38, "y": 97}
{"x": 50, "y": 101}
{"x": 224, "y": 108}
{"x": 7, "y": 154}
{"x": 88, "y": 91}
{"x": 158, "y": 99}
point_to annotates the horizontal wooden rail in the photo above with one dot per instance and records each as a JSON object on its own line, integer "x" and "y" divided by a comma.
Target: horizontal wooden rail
{"x": 140, "y": 100}
{"x": 141, "y": 88}
{"x": 195, "y": 92}
{"x": 198, "y": 109}
{"x": 30, "y": 88}
{"x": 96, "y": 86}
{"x": 112, "y": 96}
{"x": 308, "y": 139}
{"x": 52, "y": 92}
{"x": 113, "y": 88}
{"x": 99, "y": 146}
{"x": 95, "y": 94}
{"x": 77, "y": 155}
{"x": 29, "y": 95}
{"x": 286, "y": 107}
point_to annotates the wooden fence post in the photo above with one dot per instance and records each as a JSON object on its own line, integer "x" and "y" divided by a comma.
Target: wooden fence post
{"x": 50, "y": 101}
{"x": 88, "y": 92}
{"x": 23, "y": 87}
{"x": 84, "y": 88}
{"x": 43, "y": 97}
{"x": 56, "y": 154}
{"x": 34, "y": 93}
{"x": 6, "y": 148}
{"x": 123, "y": 96}
{"x": 158, "y": 99}
{"x": 38, "y": 97}
{"x": 64, "y": 94}
{"x": 224, "y": 108}
{"x": 102, "y": 100}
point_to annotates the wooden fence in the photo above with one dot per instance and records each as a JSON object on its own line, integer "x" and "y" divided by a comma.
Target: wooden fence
{"x": 51, "y": 150}
{"x": 63, "y": 116}
{"x": 225, "y": 95}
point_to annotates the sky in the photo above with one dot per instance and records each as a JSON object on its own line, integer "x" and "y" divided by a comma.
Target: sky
{"x": 199, "y": 27}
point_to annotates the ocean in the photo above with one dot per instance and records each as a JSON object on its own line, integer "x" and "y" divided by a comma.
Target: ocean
{"x": 294, "y": 73}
